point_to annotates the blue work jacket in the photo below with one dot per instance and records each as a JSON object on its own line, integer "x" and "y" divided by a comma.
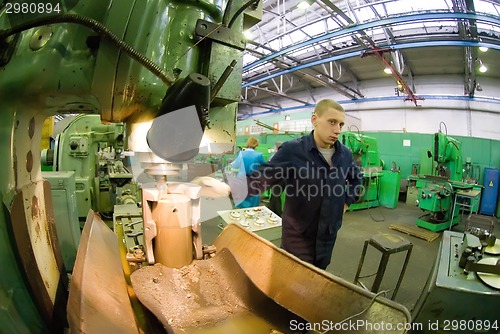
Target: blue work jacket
{"x": 247, "y": 161}
{"x": 315, "y": 192}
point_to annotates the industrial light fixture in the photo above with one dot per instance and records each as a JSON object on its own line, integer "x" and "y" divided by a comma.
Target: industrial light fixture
{"x": 482, "y": 48}
{"x": 387, "y": 70}
{"x": 248, "y": 34}
{"x": 287, "y": 117}
{"x": 482, "y": 67}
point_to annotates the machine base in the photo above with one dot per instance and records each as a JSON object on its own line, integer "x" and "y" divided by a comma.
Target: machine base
{"x": 453, "y": 297}
{"x": 436, "y": 227}
{"x": 364, "y": 205}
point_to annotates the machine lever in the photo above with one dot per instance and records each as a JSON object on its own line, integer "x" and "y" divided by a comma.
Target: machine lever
{"x": 482, "y": 268}
{"x": 134, "y": 235}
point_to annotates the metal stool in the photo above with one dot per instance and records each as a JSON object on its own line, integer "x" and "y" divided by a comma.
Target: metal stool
{"x": 387, "y": 244}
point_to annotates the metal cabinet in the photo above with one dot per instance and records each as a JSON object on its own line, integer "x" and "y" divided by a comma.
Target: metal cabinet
{"x": 490, "y": 193}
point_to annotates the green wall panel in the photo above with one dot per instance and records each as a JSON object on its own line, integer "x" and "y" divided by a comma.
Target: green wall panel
{"x": 392, "y": 148}
{"x": 483, "y": 152}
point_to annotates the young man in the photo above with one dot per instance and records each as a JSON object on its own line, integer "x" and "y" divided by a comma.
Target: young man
{"x": 275, "y": 203}
{"x": 321, "y": 181}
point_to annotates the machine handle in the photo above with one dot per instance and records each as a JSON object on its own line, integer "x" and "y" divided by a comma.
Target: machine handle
{"x": 150, "y": 233}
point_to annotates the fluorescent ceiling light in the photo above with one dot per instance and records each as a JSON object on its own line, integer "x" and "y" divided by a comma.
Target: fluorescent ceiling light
{"x": 483, "y": 48}
{"x": 387, "y": 70}
{"x": 248, "y": 34}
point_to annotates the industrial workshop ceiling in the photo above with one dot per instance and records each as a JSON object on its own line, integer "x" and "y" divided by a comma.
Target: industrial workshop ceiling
{"x": 304, "y": 45}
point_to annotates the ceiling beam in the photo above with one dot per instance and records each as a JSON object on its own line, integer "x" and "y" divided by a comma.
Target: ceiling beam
{"x": 375, "y": 24}
{"x": 403, "y": 64}
{"x": 262, "y": 105}
{"x": 379, "y": 52}
{"x": 468, "y": 30}
{"x": 336, "y": 85}
{"x": 344, "y": 89}
{"x": 273, "y": 93}
{"x": 376, "y": 51}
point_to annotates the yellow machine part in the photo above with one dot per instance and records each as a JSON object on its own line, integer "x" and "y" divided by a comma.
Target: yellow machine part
{"x": 47, "y": 132}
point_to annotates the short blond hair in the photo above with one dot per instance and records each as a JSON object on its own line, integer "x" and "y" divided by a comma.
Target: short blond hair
{"x": 252, "y": 142}
{"x": 324, "y": 105}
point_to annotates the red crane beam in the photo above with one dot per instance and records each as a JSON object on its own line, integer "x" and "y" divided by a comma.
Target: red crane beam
{"x": 379, "y": 52}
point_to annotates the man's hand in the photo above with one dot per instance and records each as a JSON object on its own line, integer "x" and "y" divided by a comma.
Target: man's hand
{"x": 346, "y": 207}
{"x": 211, "y": 187}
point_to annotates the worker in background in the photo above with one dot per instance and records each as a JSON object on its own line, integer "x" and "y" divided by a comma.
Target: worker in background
{"x": 277, "y": 146}
{"x": 321, "y": 181}
{"x": 246, "y": 162}
{"x": 275, "y": 203}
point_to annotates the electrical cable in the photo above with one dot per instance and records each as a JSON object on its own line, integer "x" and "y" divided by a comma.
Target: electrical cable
{"x": 99, "y": 28}
{"x": 225, "y": 17}
{"x": 353, "y": 125}
{"x": 445, "y": 127}
{"x": 454, "y": 144}
{"x": 381, "y": 214}
{"x": 201, "y": 39}
{"x": 361, "y": 312}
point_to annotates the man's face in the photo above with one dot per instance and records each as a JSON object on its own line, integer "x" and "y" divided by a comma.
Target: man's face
{"x": 327, "y": 127}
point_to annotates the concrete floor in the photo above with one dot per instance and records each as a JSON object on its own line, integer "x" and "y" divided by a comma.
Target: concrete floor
{"x": 359, "y": 226}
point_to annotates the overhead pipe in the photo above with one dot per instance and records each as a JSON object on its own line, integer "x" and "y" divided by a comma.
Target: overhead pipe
{"x": 271, "y": 92}
{"x": 334, "y": 86}
{"x": 377, "y": 24}
{"x": 385, "y": 107}
{"x": 374, "y": 50}
{"x": 440, "y": 43}
{"x": 261, "y": 105}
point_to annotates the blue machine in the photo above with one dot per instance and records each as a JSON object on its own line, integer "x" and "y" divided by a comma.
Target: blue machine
{"x": 490, "y": 193}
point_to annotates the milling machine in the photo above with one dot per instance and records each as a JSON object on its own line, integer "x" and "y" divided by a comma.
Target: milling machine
{"x": 170, "y": 66}
{"x": 116, "y": 59}
{"x": 366, "y": 155}
{"x": 93, "y": 151}
{"x": 438, "y": 193}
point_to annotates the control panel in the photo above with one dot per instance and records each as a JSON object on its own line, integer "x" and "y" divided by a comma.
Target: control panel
{"x": 259, "y": 220}
{"x": 451, "y": 275}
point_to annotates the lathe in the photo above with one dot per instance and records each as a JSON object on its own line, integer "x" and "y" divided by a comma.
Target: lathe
{"x": 169, "y": 70}
{"x": 93, "y": 151}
